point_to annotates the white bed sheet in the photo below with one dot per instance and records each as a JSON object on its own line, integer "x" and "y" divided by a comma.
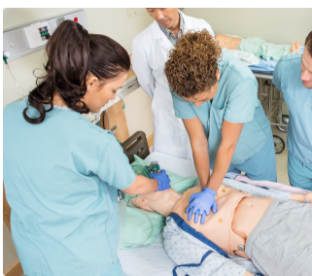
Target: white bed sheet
{"x": 152, "y": 259}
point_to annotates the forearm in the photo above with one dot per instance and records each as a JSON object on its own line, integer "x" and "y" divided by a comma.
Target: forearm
{"x": 142, "y": 185}
{"x": 202, "y": 163}
{"x": 221, "y": 166}
{"x": 301, "y": 197}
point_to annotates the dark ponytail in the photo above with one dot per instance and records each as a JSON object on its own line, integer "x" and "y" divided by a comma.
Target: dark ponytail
{"x": 72, "y": 54}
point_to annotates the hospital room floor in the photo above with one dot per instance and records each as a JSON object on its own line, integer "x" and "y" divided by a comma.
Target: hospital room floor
{"x": 281, "y": 158}
{"x": 10, "y": 255}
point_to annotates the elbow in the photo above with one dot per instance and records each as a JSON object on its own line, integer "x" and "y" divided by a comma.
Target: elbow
{"x": 135, "y": 188}
{"x": 228, "y": 147}
{"x": 130, "y": 191}
{"x": 201, "y": 144}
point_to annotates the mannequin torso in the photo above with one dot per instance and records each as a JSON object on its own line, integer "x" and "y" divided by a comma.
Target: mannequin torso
{"x": 234, "y": 220}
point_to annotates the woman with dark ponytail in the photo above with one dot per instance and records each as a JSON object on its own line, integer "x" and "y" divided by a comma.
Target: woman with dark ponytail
{"x": 61, "y": 173}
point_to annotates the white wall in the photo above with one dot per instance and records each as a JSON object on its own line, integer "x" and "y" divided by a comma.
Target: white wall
{"x": 279, "y": 25}
{"x": 113, "y": 22}
{"x": 274, "y": 25}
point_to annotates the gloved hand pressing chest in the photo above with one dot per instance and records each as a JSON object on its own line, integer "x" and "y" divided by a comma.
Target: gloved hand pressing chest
{"x": 200, "y": 204}
{"x": 162, "y": 179}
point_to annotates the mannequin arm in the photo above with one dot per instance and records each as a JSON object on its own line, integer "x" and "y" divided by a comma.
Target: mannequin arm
{"x": 301, "y": 198}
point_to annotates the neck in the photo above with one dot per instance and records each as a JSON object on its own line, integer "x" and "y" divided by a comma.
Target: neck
{"x": 175, "y": 28}
{"x": 166, "y": 204}
{"x": 58, "y": 100}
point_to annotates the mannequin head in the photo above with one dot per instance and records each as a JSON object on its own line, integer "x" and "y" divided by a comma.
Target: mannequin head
{"x": 160, "y": 202}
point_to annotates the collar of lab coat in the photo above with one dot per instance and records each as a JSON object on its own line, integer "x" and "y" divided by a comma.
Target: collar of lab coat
{"x": 158, "y": 32}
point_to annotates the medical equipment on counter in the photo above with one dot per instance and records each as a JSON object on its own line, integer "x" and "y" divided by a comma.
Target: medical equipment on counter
{"x": 28, "y": 38}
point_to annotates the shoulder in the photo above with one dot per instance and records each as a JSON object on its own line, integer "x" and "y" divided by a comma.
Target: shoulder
{"x": 14, "y": 110}
{"x": 235, "y": 70}
{"x": 88, "y": 137}
{"x": 144, "y": 36}
{"x": 15, "y": 106}
{"x": 289, "y": 62}
{"x": 88, "y": 130}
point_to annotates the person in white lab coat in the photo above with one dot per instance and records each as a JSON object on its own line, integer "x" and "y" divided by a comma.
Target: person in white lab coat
{"x": 149, "y": 54}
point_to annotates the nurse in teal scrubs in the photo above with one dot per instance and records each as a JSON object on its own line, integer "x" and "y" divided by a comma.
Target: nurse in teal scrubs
{"x": 216, "y": 96}
{"x": 61, "y": 173}
{"x": 293, "y": 77}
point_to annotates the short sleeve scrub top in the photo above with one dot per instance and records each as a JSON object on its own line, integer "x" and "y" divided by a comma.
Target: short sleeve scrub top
{"x": 287, "y": 79}
{"x": 61, "y": 179}
{"x": 236, "y": 101}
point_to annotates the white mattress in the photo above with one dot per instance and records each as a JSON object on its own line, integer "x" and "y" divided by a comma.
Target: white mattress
{"x": 152, "y": 259}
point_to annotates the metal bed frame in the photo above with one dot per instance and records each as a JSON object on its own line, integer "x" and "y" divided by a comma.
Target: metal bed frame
{"x": 265, "y": 83}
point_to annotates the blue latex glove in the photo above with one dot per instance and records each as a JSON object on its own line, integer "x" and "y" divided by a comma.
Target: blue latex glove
{"x": 162, "y": 179}
{"x": 200, "y": 204}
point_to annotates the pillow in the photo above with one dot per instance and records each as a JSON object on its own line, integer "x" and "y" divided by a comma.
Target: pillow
{"x": 140, "y": 227}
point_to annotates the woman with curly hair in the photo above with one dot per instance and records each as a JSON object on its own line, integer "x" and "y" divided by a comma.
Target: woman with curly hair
{"x": 61, "y": 173}
{"x": 216, "y": 97}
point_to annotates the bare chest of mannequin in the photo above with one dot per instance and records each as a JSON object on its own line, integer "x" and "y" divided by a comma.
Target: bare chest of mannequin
{"x": 228, "y": 42}
{"x": 246, "y": 215}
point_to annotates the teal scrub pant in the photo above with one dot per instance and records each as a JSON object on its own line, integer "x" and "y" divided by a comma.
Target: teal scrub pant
{"x": 300, "y": 175}
{"x": 261, "y": 166}
{"x": 116, "y": 270}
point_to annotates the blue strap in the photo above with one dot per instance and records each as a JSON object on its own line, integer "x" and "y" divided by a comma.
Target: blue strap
{"x": 174, "y": 273}
{"x": 188, "y": 229}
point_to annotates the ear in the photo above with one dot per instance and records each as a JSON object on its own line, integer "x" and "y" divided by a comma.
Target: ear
{"x": 91, "y": 81}
{"x": 218, "y": 74}
{"x": 141, "y": 202}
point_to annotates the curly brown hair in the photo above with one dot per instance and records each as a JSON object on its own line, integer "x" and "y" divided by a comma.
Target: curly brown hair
{"x": 193, "y": 63}
{"x": 308, "y": 43}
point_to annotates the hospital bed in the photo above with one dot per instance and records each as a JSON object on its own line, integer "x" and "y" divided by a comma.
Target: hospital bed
{"x": 152, "y": 259}
{"x": 266, "y": 87}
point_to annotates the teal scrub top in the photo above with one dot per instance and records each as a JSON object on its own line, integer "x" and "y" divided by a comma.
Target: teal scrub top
{"x": 236, "y": 101}
{"x": 61, "y": 179}
{"x": 287, "y": 79}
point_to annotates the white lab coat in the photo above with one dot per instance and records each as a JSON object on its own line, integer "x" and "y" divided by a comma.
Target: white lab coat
{"x": 149, "y": 54}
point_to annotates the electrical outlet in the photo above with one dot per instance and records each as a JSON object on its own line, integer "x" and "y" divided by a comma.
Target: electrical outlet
{"x": 132, "y": 12}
